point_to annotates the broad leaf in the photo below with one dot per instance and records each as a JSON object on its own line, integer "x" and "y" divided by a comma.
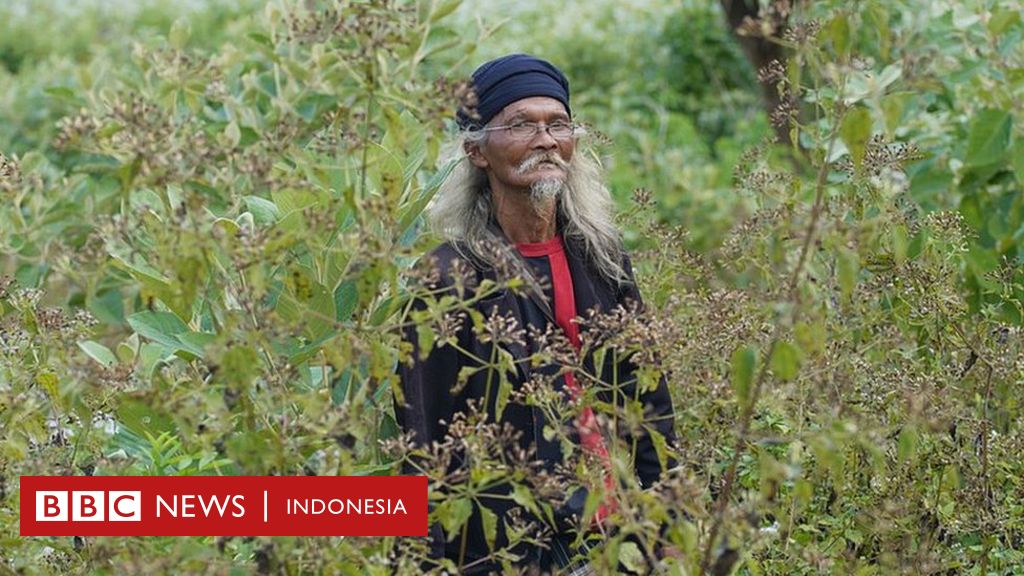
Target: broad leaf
{"x": 744, "y": 362}
{"x": 98, "y": 352}
{"x": 989, "y": 137}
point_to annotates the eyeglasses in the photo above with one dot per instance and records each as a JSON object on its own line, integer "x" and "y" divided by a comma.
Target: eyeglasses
{"x": 559, "y": 129}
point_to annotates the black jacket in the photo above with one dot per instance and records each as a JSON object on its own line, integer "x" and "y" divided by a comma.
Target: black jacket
{"x": 429, "y": 402}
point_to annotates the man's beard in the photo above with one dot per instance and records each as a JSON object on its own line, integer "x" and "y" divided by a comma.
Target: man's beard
{"x": 543, "y": 192}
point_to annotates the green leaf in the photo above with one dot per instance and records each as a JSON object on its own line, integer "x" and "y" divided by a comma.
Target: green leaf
{"x": 128, "y": 349}
{"x": 855, "y": 132}
{"x": 48, "y": 381}
{"x": 785, "y": 361}
{"x": 1003, "y": 19}
{"x": 1017, "y": 159}
{"x": 900, "y": 242}
{"x": 346, "y": 298}
{"x": 263, "y": 211}
{"x": 907, "y": 444}
{"x": 261, "y": 39}
{"x": 167, "y": 329}
{"x": 107, "y": 306}
{"x": 31, "y": 161}
{"x": 307, "y": 301}
{"x": 964, "y": 16}
{"x": 988, "y": 138}
{"x": 878, "y": 18}
{"x": 290, "y": 200}
{"x": 838, "y": 30}
{"x": 233, "y": 133}
{"x": 179, "y": 34}
{"x": 162, "y": 327}
{"x": 373, "y": 470}
{"x": 887, "y": 76}
{"x": 424, "y": 340}
{"x": 384, "y": 310}
{"x": 195, "y": 342}
{"x": 660, "y": 446}
{"x": 62, "y": 93}
{"x": 443, "y": 9}
{"x": 490, "y": 521}
{"x": 228, "y": 226}
{"x": 631, "y": 558}
{"x": 506, "y": 365}
{"x": 412, "y": 210}
{"x": 455, "y": 514}
{"x": 140, "y": 417}
{"x": 521, "y": 495}
{"x": 848, "y": 268}
{"x": 98, "y": 352}
{"x": 744, "y": 361}
{"x": 893, "y": 106}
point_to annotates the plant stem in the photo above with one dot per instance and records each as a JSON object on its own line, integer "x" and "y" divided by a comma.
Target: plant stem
{"x": 747, "y": 413}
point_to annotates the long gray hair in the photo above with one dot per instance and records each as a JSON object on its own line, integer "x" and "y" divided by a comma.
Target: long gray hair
{"x": 463, "y": 207}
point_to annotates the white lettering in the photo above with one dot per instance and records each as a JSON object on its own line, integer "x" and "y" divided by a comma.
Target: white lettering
{"x": 172, "y": 509}
{"x": 237, "y": 500}
{"x": 187, "y": 506}
{"x": 184, "y": 506}
{"x": 125, "y": 505}
{"x": 338, "y": 506}
{"x": 214, "y": 502}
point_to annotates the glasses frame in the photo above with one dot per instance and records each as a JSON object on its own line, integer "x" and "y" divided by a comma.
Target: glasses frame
{"x": 537, "y": 127}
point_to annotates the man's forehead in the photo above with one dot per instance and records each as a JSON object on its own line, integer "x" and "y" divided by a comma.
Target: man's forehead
{"x": 536, "y": 105}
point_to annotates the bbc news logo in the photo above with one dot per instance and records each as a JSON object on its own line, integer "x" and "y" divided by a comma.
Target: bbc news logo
{"x": 223, "y": 506}
{"x": 89, "y": 506}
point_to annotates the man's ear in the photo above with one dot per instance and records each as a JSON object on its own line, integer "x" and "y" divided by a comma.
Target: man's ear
{"x": 472, "y": 150}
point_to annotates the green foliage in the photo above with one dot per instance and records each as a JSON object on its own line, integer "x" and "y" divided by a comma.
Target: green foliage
{"x": 207, "y": 225}
{"x": 706, "y": 74}
{"x": 236, "y": 214}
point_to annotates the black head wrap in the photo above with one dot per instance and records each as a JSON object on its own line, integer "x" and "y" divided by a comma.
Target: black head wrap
{"x": 502, "y": 81}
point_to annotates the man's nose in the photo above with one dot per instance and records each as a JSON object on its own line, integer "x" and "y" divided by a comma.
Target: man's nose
{"x": 543, "y": 139}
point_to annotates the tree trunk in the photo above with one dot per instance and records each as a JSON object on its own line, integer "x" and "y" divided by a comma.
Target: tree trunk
{"x": 760, "y": 52}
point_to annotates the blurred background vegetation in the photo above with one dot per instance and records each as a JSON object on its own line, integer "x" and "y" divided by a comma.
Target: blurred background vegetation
{"x": 207, "y": 207}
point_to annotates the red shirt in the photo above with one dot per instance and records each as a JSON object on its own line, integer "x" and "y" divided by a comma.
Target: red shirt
{"x": 565, "y": 311}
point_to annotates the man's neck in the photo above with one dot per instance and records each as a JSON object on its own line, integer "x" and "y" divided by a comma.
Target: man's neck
{"x": 521, "y": 221}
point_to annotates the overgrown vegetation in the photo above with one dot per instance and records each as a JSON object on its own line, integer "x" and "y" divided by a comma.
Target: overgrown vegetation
{"x": 207, "y": 240}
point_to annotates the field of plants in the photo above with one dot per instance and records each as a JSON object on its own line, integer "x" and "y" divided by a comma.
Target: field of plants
{"x": 210, "y": 214}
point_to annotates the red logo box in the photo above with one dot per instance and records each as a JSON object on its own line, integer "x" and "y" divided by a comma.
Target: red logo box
{"x": 223, "y": 505}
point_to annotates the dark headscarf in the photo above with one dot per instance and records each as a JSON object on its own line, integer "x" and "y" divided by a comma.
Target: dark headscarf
{"x": 504, "y": 80}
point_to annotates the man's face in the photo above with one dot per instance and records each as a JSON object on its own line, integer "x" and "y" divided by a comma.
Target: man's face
{"x": 514, "y": 165}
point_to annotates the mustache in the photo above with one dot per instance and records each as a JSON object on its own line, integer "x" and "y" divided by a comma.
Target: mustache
{"x": 539, "y": 158}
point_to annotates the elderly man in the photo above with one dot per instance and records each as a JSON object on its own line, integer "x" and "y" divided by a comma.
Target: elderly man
{"x": 522, "y": 202}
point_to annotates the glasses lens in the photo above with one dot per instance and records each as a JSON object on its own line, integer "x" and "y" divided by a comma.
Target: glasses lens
{"x": 560, "y": 130}
{"x": 523, "y": 130}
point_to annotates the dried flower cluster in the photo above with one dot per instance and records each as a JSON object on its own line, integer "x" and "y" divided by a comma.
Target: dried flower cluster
{"x": 881, "y": 155}
{"x": 502, "y": 329}
{"x": 773, "y": 72}
{"x": 245, "y": 223}
{"x": 801, "y": 33}
{"x": 10, "y": 173}
{"x": 377, "y": 26}
{"x": 786, "y": 112}
{"x": 772, "y": 18}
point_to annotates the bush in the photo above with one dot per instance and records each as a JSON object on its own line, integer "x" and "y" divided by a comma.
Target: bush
{"x": 206, "y": 249}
